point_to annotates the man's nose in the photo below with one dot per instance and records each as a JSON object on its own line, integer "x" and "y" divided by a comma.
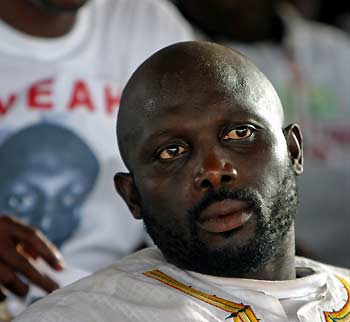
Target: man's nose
{"x": 215, "y": 173}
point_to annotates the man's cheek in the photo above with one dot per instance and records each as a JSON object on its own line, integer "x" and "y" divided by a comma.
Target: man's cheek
{"x": 158, "y": 194}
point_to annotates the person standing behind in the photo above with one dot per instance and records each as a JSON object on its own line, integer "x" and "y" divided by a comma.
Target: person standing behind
{"x": 63, "y": 66}
{"x": 309, "y": 65}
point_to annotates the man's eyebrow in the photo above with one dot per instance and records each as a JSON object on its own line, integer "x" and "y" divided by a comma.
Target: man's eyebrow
{"x": 155, "y": 136}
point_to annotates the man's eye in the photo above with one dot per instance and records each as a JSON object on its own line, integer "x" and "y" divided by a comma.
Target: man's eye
{"x": 239, "y": 133}
{"x": 172, "y": 152}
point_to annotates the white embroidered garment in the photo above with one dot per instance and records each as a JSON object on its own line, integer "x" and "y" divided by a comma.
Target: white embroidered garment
{"x": 144, "y": 287}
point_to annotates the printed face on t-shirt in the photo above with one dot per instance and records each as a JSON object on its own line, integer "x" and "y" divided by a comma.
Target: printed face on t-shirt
{"x": 47, "y": 185}
{"x": 48, "y": 201}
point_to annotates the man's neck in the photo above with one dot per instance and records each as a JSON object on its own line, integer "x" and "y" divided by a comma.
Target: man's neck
{"x": 27, "y": 18}
{"x": 282, "y": 266}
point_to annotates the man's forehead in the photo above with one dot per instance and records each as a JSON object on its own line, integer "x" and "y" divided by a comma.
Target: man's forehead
{"x": 205, "y": 108}
{"x": 233, "y": 101}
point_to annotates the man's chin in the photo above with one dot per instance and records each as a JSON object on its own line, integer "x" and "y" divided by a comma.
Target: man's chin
{"x": 222, "y": 262}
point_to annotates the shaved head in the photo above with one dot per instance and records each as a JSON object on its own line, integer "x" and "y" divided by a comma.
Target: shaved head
{"x": 192, "y": 67}
{"x": 212, "y": 172}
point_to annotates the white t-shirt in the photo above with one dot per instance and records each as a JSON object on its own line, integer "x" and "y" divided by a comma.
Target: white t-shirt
{"x": 144, "y": 287}
{"x": 58, "y": 103}
{"x": 58, "y": 148}
{"x": 310, "y": 72}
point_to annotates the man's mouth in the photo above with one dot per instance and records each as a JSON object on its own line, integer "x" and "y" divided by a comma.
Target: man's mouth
{"x": 223, "y": 216}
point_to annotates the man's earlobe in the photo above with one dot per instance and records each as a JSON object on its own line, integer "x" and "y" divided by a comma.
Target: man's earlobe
{"x": 125, "y": 185}
{"x": 294, "y": 140}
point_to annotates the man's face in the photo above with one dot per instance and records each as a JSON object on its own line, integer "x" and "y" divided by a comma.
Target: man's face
{"x": 60, "y": 5}
{"x": 215, "y": 183}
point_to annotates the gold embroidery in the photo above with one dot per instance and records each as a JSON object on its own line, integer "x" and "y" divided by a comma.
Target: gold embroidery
{"x": 343, "y": 315}
{"x": 238, "y": 312}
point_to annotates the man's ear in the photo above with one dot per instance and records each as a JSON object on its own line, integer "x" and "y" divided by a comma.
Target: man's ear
{"x": 294, "y": 140}
{"x": 125, "y": 185}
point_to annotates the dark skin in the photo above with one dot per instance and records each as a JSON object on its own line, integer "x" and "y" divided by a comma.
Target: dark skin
{"x": 54, "y": 18}
{"x": 244, "y": 21}
{"x": 19, "y": 243}
{"x": 204, "y": 118}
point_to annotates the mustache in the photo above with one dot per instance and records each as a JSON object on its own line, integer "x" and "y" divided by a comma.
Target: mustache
{"x": 251, "y": 198}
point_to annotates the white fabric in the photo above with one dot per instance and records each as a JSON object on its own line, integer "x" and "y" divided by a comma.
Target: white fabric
{"x": 291, "y": 295}
{"x": 123, "y": 292}
{"x": 19, "y": 44}
{"x": 310, "y": 72}
{"x": 74, "y": 83}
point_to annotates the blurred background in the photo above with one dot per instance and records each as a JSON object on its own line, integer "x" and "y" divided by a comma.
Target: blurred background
{"x": 335, "y": 13}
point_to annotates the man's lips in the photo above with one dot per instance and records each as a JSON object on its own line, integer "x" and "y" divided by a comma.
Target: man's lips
{"x": 224, "y": 216}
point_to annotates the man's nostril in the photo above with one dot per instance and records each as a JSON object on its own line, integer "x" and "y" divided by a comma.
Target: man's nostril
{"x": 225, "y": 179}
{"x": 205, "y": 184}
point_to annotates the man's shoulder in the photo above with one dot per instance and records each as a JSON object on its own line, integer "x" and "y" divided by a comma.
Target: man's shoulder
{"x": 108, "y": 279}
{"x": 101, "y": 295}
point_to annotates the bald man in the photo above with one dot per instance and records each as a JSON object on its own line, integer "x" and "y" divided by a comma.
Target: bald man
{"x": 212, "y": 175}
